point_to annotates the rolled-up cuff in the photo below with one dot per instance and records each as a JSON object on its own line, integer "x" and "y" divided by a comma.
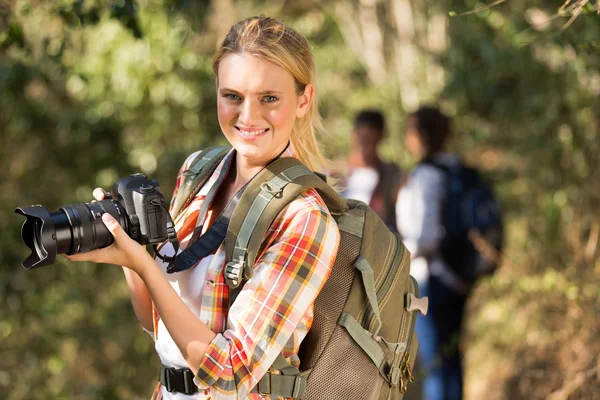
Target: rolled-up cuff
{"x": 214, "y": 362}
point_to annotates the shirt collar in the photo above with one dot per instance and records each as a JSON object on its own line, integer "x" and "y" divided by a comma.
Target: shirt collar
{"x": 226, "y": 163}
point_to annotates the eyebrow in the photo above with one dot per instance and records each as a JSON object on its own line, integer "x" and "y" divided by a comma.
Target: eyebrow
{"x": 263, "y": 92}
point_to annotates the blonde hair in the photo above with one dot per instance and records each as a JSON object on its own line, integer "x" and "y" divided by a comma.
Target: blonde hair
{"x": 276, "y": 42}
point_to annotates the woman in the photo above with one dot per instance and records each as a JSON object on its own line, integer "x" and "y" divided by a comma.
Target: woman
{"x": 266, "y": 108}
{"x": 419, "y": 219}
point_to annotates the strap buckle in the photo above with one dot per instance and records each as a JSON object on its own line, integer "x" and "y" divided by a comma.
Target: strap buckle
{"x": 234, "y": 271}
{"x": 288, "y": 386}
{"x": 264, "y": 385}
{"x": 178, "y": 380}
{"x": 394, "y": 376}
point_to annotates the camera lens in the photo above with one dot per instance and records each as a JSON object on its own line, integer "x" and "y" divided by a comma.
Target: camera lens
{"x": 88, "y": 230}
{"x": 75, "y": 228}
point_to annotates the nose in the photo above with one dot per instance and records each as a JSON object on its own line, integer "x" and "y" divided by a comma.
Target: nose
{"x": 249, "y": 113}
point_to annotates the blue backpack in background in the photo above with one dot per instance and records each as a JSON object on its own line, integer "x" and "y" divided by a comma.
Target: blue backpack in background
{"x": 472, "y": 219}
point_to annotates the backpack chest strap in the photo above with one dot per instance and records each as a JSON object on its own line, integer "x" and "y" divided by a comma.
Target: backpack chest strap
{"x": 289, "y": 382}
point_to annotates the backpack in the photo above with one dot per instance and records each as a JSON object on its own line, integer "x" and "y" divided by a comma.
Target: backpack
{"x": 362, "y": 343}
{"x": 472, "y": 220}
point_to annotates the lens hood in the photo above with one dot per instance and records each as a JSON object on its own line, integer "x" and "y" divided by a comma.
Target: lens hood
{"x": 39, "y": 235}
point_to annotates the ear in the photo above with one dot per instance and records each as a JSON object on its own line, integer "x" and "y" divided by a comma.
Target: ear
{"x": 305, "y": 101}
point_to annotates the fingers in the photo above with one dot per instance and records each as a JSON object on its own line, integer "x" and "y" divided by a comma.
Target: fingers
{"x": 100, "y": 194}
{"x": 90, "y": 256}
{"x": 113, "y": 226}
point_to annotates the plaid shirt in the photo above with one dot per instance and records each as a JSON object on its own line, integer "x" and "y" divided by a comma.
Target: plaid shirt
{"x": 274, "y": 309}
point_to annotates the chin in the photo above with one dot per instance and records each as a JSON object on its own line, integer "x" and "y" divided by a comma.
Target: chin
{"x": 249, "y": 151}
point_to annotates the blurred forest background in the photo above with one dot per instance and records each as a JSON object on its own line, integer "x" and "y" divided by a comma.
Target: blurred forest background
{"x": 93, "y": 90}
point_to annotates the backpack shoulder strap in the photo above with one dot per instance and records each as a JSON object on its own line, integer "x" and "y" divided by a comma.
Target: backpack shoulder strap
{"x": 200, "y": 169}
{"x": 266, "y": 195}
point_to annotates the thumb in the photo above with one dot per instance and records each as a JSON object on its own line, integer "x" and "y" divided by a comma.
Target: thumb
{"x": 113, "y": 226}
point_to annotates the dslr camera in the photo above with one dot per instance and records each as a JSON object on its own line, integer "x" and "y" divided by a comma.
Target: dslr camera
{"x": 135, "y": 202}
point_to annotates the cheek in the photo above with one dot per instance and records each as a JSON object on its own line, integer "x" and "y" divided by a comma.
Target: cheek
{"x": 225, "y": 111}
{"x": 283, "y": 117}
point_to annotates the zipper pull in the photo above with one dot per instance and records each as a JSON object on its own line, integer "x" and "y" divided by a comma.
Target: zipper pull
{"x": 406, "y": 374}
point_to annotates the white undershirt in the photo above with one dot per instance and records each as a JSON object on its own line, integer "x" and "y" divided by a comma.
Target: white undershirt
{"x": 189, "y": 285}
{"x": 361, "y": 184}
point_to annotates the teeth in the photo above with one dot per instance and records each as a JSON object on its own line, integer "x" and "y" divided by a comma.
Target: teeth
{"x": 254, "y": 133}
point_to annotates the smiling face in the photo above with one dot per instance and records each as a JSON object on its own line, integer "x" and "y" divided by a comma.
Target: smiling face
{"x": 258, "y": 104}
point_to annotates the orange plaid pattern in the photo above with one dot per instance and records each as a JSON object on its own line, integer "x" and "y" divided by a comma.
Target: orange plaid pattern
{"x": 274, "y": 310}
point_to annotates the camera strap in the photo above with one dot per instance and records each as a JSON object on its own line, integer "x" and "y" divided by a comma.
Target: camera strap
{"x": 209, "y": 242}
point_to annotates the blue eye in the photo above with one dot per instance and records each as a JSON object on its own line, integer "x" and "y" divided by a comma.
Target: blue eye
{"x": 232, "y": 97}
{"x": 270, "y": 99}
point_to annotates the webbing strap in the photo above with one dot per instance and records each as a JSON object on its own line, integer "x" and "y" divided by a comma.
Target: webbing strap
{"x": 197, "y": 165}
{"x": 269, "y": 190}
{"x": 335, "y": 204}
{"x": 288, "y": 386}
{"x": 366, "y": 272}
{"x": 365, "y": 340}
{"x": 351, "y": 224}
{"x": 289, "y": 383}
{"x": 282, "y": 365}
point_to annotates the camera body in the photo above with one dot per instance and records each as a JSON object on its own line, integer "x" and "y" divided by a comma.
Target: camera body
{"x": 144, "y": 206}
{"x": 135, "y": 202}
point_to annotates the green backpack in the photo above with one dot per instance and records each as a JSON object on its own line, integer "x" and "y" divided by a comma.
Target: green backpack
{"x": 362, "y": 343}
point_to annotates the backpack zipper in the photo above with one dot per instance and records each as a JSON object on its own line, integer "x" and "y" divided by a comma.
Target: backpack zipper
{"x": 387, "y": 281}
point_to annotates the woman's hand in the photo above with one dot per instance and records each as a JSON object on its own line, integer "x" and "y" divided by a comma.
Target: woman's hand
{"x": 124, "y": 251}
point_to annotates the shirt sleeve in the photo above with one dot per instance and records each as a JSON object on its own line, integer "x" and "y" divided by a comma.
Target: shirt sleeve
{"x": 419, "y": 211}
{"x": 274, "y": 304}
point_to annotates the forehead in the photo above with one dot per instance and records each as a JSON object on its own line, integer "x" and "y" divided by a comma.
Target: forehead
{"x": 247, "y": 73}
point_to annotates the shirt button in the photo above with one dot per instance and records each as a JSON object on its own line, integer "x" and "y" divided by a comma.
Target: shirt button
{"x": 210, "y": 283}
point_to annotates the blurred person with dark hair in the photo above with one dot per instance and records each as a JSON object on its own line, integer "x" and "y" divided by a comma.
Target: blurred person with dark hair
{"x": 419, "y": 211}
{"x": 367, "y": 178}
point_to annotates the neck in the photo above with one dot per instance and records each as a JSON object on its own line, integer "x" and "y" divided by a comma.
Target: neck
{"x": 246, "y": 169}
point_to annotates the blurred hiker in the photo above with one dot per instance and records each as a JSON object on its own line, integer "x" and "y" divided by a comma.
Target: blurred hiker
{"x": 367, "y": 178}
{"x": 443, "y": 211}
